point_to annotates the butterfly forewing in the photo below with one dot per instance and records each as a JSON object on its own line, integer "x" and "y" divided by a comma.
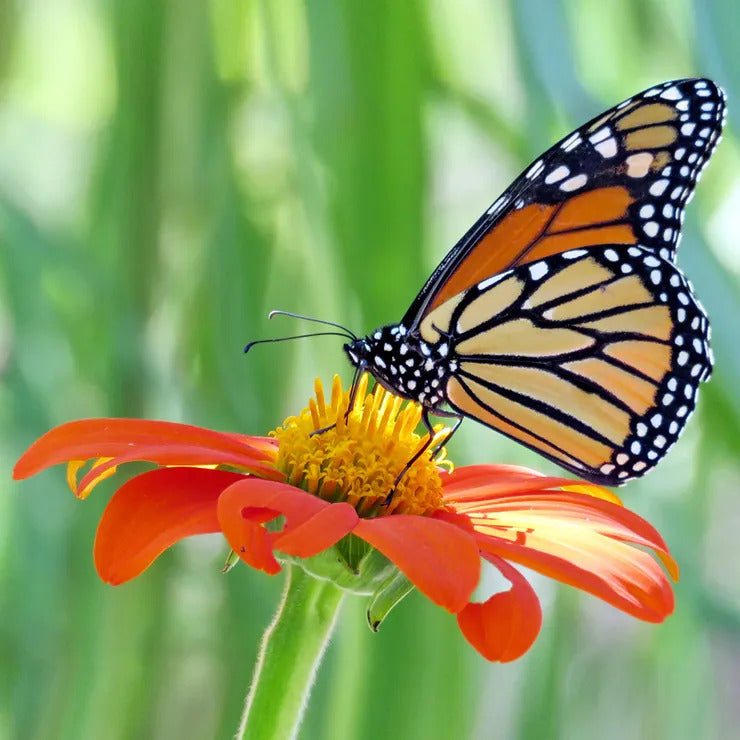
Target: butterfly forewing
{"x": 593, "y": 357}
{"x": 622, "y": 178}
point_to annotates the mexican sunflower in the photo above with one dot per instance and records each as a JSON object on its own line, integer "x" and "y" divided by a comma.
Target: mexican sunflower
{"x": 320, "y": 484}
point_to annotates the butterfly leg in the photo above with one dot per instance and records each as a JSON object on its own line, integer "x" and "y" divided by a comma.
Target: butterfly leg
{"x": 430, "y": 435}
{"x": 447, "y": 415}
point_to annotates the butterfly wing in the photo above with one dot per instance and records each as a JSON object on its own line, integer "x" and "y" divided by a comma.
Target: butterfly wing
{"x": 623, "y": 178}
{"x": 592, "y": 357}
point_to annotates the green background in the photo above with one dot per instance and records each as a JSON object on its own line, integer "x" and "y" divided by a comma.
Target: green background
{"x": 169, "y": 172}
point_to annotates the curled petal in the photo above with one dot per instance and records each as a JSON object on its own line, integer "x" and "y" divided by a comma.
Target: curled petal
{"x": 584, "y": 541}
{"x": 153, "y": 511}
{"x": 321, "y": 531}
{"x": 95, "y": 476}
{"x": 179, "y": 455}
{"x": 505, "y": 626}
{"x": 311, "y": 524}
{"x": 438, "y": 557}
{"x": 126, "y": 440}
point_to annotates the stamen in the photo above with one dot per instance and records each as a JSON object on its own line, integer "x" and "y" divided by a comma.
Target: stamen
{"x": 359, "y": 455}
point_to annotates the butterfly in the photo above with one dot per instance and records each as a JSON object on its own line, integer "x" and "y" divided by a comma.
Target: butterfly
{"x": 561, "y": 319}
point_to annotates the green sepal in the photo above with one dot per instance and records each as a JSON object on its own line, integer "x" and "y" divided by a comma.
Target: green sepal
{"x": 392, "y": 592}
{"x": 351, "y": 564}
{"x": 352, "y": 550}
{"x": 231, "y": 560}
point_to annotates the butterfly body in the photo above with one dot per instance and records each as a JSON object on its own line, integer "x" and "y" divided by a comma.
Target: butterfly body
{"x": 405, "y": 363}
{"x": 560, "y": 318}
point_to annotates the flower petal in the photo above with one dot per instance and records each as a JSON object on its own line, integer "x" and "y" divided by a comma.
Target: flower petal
{"x": 584, "y": 541}
{"x": 505, "y": 626}
{"x": 153, "y": 511}
{"x": 485, "y": 482}
{"x": 125, "y": 440}
{"x": 438, "y": 557}
{"x": 311, "y": 524}
{"x": 469, "y": 476}
{"x": 321, "y": 531}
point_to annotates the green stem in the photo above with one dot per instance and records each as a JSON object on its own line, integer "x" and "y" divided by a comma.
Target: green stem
{"x": 291, "y": 650}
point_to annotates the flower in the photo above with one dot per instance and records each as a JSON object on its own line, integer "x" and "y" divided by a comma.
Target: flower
{"x": 323, "y": 478}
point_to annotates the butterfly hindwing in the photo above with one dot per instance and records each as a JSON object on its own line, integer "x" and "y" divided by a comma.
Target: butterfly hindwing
{"x": 591, "y": 357}
{"x": 622, "y": 178}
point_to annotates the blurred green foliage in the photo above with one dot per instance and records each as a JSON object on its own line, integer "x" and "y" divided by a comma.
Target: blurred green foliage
{"x": 171, "y": 171}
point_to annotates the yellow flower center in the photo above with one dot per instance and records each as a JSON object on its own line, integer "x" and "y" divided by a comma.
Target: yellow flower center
{"x": 357, "y": 457}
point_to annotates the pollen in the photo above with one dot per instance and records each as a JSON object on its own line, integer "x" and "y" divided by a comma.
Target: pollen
{"x": 357, "y": 456}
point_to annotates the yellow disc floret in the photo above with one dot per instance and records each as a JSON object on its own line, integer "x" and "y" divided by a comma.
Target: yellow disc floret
{"x": 357, "y": 457}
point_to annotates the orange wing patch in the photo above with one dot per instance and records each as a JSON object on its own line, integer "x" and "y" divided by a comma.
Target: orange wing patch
{"x": 597, "y": 206}
{"x": 637, "y": 393}
{"x": 626, "y": 291}
{"x": 653, "y": 137}
{"x": 578, "y": 276}
{"x": 653, "y": 321}
{"x": 649, "y": 358}
{"x": 611, "y": 421}
{"x": 498, "y": 412}
{"x": 646, "y": 115}
{"x": 490, "y": 304}
{"x": 498, "y": 250}
{"x": 537, "y": 231}
{"x": 521, "y": 337}
{"x": 440, "y": 318}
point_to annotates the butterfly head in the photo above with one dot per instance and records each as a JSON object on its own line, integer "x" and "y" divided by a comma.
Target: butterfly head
{"x": 379, "y": 354}
{"x": 358, "y": 352}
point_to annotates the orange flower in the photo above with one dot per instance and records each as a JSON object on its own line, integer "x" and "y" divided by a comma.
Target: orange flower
{"x": 296, "y": 494}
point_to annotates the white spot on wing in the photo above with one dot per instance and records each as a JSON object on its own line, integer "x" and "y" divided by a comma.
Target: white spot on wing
{"x": 650, "y": 228}
{"x": 658, "y": 187}
{"x": 574, "y": 183}
{"x": 538, "y": 270}
{"x": 572, "y": 254}
{"x": 672, "y": 93}
{"x": 488, "y": 282}
{"x": 608, "y": 148}
{"x": 557, "y": 174}
{"x": 497, "y": 205}
{"x": 600, "y": 135}
{"x": 535, "y": 169}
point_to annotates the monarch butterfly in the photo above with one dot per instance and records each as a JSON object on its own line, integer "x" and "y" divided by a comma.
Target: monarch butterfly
{"x": 560, "y": 319}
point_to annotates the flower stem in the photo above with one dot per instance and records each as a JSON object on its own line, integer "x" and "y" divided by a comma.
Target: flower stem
{"x": 291, "y": 650}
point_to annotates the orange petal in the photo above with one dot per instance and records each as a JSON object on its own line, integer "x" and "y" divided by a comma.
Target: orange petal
{"x": 174, "y": 455}
{"x": 439, "y": 558}
{"x": 585, "y": 542}
{"x": 469, "y": 476}
{"x": 485, "y": 482}
{"x": 100, "y": 470}
{"x": 505, "y": 626}
{"x": 562, "y": 512}
{"x": 311, "y": 524}
{"x": 318, "y": 533}
{"x": 153, "y": 511}
{"x": 162, "y": 442}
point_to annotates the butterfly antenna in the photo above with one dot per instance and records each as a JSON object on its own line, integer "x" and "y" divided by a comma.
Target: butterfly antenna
{"x": 295, "y": 336}
{"x": 350, "y": 334}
